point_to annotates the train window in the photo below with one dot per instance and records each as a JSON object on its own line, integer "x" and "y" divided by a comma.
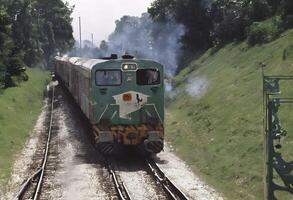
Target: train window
{"x": 148, "y": 77}
{"x": 108, "y": 77}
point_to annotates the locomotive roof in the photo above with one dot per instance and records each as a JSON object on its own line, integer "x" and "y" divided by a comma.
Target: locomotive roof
{"x": 89, "y": 63}
{"x": 86, "y": 63}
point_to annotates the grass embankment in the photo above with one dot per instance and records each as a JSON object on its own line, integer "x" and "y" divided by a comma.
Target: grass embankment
{"x": 19, "y": 109}
{"x": 220, "y": 133}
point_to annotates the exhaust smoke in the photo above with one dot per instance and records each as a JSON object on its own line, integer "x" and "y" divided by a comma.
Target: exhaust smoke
{"x": 144, "y": 38}
{"x": 196, "y": 87}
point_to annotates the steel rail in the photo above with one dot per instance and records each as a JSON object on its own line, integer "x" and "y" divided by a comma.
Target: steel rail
{"x": 170, "y": 188}
{"x": 281, "y": 99}
{"x": 40, "y": 181}
{"x": 280, "y": 77}
{"x": 121, "y": 189}
{"x": 26, "y": 184}
{"x": 40, "y": 172}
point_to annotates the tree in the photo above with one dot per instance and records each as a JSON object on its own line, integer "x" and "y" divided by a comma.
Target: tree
{"x": 11, "y": 59}
{"x": 161, "y": 10}
{"x": 55, "y": 27}
{"x": 230, "y": 20}
{"x": 24, "y": 31}
{"x": 258, "y": 10}
{"x": 32, "y": 31}
{"x": 193, "y": 14}
{"x": 5, "y": 41}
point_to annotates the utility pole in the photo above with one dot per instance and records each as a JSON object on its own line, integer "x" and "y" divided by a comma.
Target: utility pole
{"x": 92, "y": 40}
{"x": 80, "y": 45}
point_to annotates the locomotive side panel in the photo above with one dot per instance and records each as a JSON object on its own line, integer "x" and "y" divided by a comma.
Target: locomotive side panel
{"x": 66, "y": 74}
{"x": 84, "y": 94}
{"x": 77, "y": 81}
{"x": 74, "y": 84}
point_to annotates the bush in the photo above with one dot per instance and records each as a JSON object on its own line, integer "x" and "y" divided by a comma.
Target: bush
{"x": 265, "y": 31}
{"x": 257, "y": 34}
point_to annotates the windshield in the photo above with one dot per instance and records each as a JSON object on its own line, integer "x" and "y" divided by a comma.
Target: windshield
{"x": 148, "y": 77}
{"x": 108, "y": 77}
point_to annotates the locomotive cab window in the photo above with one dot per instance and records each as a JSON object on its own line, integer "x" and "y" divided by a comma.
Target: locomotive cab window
{"x": 148, "y": 77}
{"x": 108, "y": 77}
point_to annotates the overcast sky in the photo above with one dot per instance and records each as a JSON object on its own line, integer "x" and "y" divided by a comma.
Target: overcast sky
{"x": 98, "y": 16}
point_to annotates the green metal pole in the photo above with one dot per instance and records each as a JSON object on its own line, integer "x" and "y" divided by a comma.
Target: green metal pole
{"x": 270, "y": 150}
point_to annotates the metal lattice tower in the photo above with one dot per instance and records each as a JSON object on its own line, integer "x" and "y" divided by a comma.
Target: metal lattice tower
{"x": 276, "y": 167}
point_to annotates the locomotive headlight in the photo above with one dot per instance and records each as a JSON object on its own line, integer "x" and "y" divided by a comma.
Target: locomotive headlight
{"x": 129, "y": 67}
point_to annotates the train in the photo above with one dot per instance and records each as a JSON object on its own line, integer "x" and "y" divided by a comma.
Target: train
{"x": 123, "y": 99}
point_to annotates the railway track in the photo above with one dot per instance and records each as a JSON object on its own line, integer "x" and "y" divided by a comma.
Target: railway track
{"x": 31, "y": 188}
{"x": 121, "y": 189}
{"x": 165, "y": 187}
{"x": 170, "y": 188}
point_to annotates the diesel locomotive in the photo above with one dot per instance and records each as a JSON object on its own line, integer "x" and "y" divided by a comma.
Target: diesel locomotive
{"x": 123, "y": 98}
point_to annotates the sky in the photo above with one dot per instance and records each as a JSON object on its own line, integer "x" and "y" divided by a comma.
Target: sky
{"x": 99, "y": 16}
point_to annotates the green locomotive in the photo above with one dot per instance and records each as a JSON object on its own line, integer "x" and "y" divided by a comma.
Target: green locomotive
{"x": 122, "y": 98}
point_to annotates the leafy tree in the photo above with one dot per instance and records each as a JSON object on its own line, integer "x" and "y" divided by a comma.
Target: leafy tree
{"x": 25, "y": 30}
{"x": 11, "y": 59}
{"x": 55, "y": 26}
{"x": 258, "y": 10}
{"x": 193, "y": 14}
{"x": 32, "y": 31}
{"x": 5, "y": 42}
{"x": 230, "y": 20}
{"x": 161, "y": 10}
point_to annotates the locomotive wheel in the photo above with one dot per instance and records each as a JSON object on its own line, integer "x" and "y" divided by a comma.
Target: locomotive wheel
{"x": 153, "y": 146}
{"x": 106, "y": 148}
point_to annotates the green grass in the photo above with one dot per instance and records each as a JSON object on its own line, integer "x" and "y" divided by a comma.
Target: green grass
{"x": 220, "y": 134}
{"x": 19, "y": 109}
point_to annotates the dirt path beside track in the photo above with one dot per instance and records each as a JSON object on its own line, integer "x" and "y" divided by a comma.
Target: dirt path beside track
{"x": 180, "y": 174}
